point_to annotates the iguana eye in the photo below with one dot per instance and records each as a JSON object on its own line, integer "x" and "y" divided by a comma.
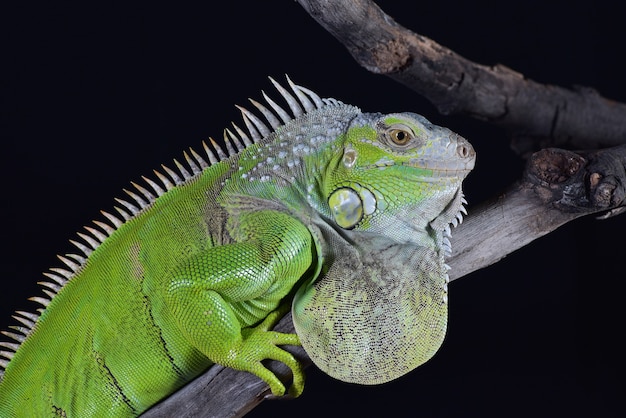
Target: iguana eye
{"x": 399, "y": 136}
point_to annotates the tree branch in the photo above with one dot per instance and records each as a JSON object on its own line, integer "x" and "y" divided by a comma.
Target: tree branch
{"x": 548, "y": 115}
{"x": 558, "y": 186}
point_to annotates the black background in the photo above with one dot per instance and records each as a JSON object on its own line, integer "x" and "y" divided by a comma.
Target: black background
{"x": 94, "y": 96}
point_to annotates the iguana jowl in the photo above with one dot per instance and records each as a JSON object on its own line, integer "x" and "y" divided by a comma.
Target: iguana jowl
{"x": 351, "y": 209}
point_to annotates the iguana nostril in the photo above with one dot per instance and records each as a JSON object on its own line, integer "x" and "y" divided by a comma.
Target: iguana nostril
{"x": 463, "y": 151}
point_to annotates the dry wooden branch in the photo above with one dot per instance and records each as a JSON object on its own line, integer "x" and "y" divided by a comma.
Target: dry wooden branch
{"x": 558, "y": 186}
{"x": 548, "y": 115}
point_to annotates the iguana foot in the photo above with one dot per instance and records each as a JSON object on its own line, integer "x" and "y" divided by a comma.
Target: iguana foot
{"x": 261, "y": 343}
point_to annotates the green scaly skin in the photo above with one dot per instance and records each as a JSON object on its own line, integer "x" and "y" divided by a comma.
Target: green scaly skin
{"x": 351, "y": 208}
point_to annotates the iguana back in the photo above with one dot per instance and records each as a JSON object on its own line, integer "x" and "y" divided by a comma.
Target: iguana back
{"x": 103, "y": 343}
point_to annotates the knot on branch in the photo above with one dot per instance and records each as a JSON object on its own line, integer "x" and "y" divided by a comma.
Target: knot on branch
{"x": 579, "y": 182}
{"x": 604, "y": 191}
{"x": 388, "y": 57}
{"x": 553, "y": 166}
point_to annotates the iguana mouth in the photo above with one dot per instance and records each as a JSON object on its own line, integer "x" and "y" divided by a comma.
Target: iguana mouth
{"x": 439, "y": 168}
{"x": 443, "y": 168}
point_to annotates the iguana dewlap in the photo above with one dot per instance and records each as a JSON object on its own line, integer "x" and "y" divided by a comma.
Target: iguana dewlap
{"x": 349, "y": 211}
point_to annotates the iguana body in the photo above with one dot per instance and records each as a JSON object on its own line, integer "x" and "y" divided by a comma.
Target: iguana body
{"x": 351, "y": 208}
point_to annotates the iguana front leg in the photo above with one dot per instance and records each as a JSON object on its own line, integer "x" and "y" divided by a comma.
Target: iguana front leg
{"x": 218, "y": 297}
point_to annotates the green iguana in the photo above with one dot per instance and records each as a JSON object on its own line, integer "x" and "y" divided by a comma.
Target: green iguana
{"x": 346, "y": 213}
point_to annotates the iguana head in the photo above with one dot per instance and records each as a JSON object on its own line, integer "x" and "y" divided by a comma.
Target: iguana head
{"x": 396, "y": 173}
{"x": 379, "y": 308}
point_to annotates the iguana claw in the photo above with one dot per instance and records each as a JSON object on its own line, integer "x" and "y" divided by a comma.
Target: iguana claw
{"x": 261, "y": 343}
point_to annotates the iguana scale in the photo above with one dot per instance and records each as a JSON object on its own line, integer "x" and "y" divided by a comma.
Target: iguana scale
{"x": 345, "y": 213}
